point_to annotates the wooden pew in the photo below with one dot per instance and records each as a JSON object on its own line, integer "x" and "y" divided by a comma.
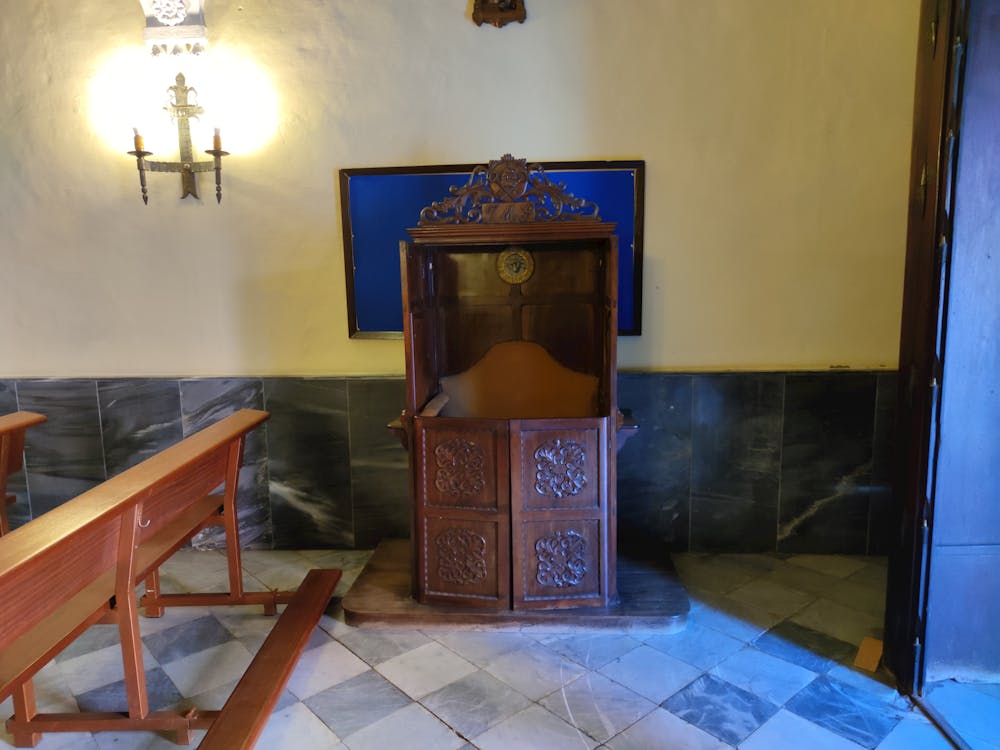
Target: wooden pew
{"x": 12, "y": 429}
{"x": 80, "y": 563}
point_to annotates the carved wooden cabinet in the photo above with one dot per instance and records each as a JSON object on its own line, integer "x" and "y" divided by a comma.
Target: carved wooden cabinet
{"x": 510, "y": 327}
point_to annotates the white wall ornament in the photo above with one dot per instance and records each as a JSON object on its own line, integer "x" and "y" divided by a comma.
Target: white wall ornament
{"x": 174, "y": 27}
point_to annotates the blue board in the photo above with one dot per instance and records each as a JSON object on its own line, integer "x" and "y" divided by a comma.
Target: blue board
{"x": 379, "y": 205}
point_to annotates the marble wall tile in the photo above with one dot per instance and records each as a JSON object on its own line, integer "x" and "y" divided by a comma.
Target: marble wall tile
{"x": 309, "y": 457}
{"x": 880, "y": 510}
{"x": 379, "y": 471}
{"x": 654, "y": 466}
{"x": 63, "y": 456}
{"x": 826, "y": 462}
{"x": 20, "y": 512}
{"x": 205, "y": 401}
{"x": 735, "y": 461}
{"x": 139, "y": 418}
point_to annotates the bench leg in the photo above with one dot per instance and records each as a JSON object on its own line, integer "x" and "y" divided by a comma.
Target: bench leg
{"x": 25, "y": 710}
{"x": 153, "y": 592}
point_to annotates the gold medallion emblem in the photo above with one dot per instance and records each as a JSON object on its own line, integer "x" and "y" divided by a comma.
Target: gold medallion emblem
{"x": 515, "y": 265}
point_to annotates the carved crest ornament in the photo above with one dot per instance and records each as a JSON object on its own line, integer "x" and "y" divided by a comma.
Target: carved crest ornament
{"x": 508, "y": 191}
{"x": 499, "y": 13}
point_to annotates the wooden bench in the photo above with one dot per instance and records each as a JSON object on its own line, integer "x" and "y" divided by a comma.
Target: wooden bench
{"x": 80, "y": 563}
{"x": 12, "y": 429}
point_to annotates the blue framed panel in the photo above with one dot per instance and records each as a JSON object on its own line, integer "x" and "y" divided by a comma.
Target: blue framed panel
{"x": 379, "y": 204}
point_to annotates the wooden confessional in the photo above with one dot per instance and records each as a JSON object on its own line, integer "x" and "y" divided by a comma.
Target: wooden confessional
{"x": 510, "y": 328}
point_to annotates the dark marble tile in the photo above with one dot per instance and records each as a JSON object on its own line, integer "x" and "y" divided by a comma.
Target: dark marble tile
{"x": 804, "y": 646}
{"x": 379, "y": 471}
{"x": 654, "y": 466}
{"x": 357, "y": 703}
{"x": 63, "y": 456}
{"x": 880, "y": 509}
{"x": 720, "y": 708}
{"x": 206, "y": 401}
{"x": 185, "y": 639}
{"x": 735, "y": 461}
{"x": 854, "y": 714}
{"x": 826, "y": 462}
{"x": 309, "y": 457}
{"x": 139, "y": 418}
{"x": 19, "y": 513}
{"x": 8, "y": 396}
{"x": 162, "y": 694}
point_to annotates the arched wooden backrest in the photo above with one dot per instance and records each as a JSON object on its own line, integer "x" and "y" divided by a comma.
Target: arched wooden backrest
{"x": 519, "y": 380}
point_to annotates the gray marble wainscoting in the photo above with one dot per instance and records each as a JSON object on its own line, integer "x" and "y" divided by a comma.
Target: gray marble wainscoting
{"x": 747, "y": 462}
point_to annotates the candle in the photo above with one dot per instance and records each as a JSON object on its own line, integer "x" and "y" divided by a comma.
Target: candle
{"x": 217, "y": 141}
{"x": 137, "y": 140}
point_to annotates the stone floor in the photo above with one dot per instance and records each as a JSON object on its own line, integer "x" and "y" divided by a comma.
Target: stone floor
{"x": 763, "y": 664}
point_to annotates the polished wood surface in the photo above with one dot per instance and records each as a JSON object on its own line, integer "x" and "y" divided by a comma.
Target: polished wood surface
{"x": 80, "y": 563}
{"x": 12, "y": 429}
{"x": 651, "y": 597}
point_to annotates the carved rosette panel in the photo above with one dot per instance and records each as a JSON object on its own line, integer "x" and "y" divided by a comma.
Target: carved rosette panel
{"x": 461, "y": 556}
{"x": 509, "y": 181}
{"x": 560, "y": 468}
{"x": 460, "y": 468}
{"x": 562, "y": 559}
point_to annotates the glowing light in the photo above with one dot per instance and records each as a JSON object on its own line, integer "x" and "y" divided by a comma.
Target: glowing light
{"x": 129, "y": 90}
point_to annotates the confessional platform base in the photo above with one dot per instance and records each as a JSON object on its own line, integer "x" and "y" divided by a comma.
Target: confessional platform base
{"x": 652, "y": 597}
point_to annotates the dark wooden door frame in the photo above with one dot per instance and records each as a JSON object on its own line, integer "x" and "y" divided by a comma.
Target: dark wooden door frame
{"x": 937, "y": 107}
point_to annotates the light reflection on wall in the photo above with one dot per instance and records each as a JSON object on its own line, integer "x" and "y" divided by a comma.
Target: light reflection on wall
{"x": 129, "y": 90}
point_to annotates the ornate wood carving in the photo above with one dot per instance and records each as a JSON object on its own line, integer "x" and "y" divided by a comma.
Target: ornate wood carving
{"x": 562, "y": 559}
{"x": 508, "y": 191}
{"x": 460, "y": 468}
{"x": 560, "y": 468}
{"x": 461, "y": 556}
{"x": 498, "y": 12}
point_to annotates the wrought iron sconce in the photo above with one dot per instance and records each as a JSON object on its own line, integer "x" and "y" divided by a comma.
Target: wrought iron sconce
{"x": 182, "y": 108}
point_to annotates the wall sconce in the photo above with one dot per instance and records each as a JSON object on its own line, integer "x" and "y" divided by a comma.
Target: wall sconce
{"x": 181, "y": 108}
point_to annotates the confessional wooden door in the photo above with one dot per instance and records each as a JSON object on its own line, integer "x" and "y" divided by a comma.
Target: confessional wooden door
{"x": 512, "y": 513}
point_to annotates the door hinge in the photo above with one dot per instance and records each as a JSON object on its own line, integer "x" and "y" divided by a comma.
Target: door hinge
{"x": 922, "y": 188}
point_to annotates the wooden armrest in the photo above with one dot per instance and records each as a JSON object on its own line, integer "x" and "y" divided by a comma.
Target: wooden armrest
{"x": 10, "y": 499}
{"x": 435, "y": 405}
{"x": 249, "y": 707}
{"x": 20, "y": 420}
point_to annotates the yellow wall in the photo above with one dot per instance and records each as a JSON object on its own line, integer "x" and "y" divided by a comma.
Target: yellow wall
{"x": 776, "y": 135}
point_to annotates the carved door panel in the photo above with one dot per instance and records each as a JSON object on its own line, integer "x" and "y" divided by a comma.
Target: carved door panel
{"x": 559, "y": 505}
{"x": 462, "y": 522}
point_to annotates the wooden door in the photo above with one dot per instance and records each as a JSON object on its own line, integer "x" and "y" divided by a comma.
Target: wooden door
{"x": 559, "y": 512}
{"x": 462, "y": 511}
{"x": 937, "y": 115}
